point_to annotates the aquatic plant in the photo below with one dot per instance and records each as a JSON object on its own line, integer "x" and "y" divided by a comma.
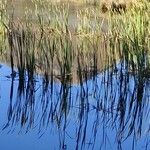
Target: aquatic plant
{"x": 132, "y": 35}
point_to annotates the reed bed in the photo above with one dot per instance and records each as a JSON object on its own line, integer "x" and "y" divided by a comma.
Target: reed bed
{"x": 54, "y": 47}
{"x": 132, "y": 32}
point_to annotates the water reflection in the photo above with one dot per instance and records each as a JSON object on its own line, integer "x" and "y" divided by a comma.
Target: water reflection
{"x": 111, "y": 107}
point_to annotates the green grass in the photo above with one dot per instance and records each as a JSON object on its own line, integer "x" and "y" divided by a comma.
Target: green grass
{"x": 132, "y": 35}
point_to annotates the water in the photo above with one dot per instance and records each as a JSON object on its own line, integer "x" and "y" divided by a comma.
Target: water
{"x": 95, "y": 115}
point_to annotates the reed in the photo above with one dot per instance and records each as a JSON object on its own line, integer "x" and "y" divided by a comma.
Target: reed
{"x": 53, "y": 47}
{"x": 132, "y": 33}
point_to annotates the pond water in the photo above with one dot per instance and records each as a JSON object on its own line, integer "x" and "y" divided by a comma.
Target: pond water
{"x": 106, "y": 112}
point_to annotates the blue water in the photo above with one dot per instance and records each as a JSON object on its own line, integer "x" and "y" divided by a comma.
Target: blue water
{"x": 73, "y": 117}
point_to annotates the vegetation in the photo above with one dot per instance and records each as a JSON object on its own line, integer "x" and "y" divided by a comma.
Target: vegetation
{"x": 53, "y": 46}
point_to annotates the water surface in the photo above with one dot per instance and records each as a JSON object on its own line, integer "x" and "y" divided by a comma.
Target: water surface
{"x": 104, "y": 113}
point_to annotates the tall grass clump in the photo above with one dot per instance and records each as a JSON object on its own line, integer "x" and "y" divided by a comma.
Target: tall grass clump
{"x": 133, "y": 36}
{"x": 56, "y": 42}
{"x": 52, "y": 46}
{"x": 92, "y": 42}
{"x": 130, "y": 35}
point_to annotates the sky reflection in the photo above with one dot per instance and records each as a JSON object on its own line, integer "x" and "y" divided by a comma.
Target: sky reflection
{"x": 109, "y": 111}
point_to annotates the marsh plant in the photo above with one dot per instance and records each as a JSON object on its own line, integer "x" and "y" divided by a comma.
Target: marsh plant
{"x": 132, "y": 38}
{"x": 51, "y": 46}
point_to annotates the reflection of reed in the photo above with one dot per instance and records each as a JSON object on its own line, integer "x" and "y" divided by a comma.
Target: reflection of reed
{"x": 16, "y": 40}
{"x": 115, "y": 100}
